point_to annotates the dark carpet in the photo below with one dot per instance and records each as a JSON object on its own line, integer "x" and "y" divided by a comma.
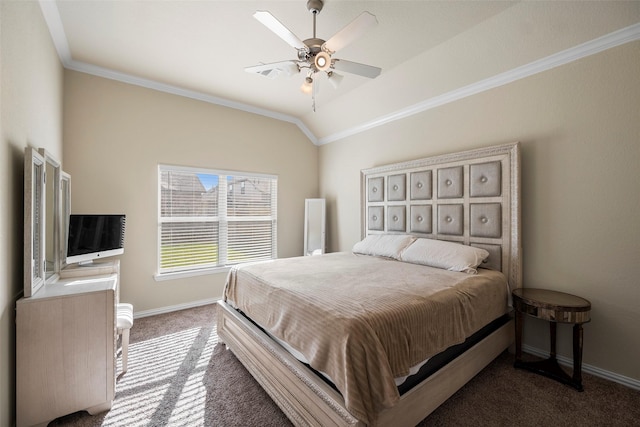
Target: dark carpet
{"x": 179, "y": 375}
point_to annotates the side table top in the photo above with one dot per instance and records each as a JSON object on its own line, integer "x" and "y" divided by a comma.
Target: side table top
{"x": 553, "y": 305}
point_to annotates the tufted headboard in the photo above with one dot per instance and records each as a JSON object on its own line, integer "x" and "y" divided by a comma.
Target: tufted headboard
{"x": 471, "y": 197}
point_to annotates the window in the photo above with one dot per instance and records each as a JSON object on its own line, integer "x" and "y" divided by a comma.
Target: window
{"x": 209, "y": 219}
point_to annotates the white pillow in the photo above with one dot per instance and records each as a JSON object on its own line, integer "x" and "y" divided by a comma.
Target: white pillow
{"x": 447, "y": 255}
{"x": 387, "y": 245}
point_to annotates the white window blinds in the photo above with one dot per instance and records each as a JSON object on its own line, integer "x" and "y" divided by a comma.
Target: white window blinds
{"x": 211, "y": 218}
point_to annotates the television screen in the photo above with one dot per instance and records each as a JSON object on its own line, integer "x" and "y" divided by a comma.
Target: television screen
{"x": 94, "y": 236}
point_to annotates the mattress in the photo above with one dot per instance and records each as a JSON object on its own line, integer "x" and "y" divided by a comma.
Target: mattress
{"x": 295, "y": 353}
{"x": 363, "y": 320}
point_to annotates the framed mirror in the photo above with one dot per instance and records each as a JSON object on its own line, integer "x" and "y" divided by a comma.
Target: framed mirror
{"x": 34, "y": 208}
{"x": 314, "y": 227}
{"x": 52, "y": 216}
{"x": 65, "y": 212}
{"x": 46, "y": 211}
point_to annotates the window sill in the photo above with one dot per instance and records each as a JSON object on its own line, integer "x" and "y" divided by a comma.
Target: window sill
{"x": 193, "y": 273}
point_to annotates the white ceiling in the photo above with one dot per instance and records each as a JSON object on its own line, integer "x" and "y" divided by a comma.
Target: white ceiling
{"x": 430, "y": 52}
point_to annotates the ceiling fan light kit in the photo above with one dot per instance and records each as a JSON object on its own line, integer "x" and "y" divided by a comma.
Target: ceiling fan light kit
{"x": 322, "y": 61}
{"x": 307, "y": 86}
{"x": 315, "y": 54}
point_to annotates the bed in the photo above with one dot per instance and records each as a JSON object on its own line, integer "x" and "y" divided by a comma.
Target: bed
{"x": 329, "y": 356}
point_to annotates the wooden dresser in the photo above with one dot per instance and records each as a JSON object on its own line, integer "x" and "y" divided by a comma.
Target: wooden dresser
{"x": 66, "y": 345}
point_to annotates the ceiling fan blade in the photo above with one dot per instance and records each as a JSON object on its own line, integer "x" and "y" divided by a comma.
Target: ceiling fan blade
{"x": 274, "y": 69}
{"x": 352, "y": 31}
{"x": 356, "y": 68}
{"x": 314, "y": 91}
{"x": 270, "y": 21}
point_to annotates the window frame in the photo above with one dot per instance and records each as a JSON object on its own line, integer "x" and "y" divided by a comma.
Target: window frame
{"x": 220, "y": 218}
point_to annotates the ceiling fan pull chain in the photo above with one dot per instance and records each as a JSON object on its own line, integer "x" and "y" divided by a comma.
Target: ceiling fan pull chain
{"x": 313, "y": 97}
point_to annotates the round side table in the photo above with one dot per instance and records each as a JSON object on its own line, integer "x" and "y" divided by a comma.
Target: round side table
{"x": 555, "y": 307}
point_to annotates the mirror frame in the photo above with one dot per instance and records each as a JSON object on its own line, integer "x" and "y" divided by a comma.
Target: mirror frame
{"x": 314, "y": 227}
{"x": 52, "y": 216}
{"x": 47, "y": 204}
{"x": 34, "y": 211}
{"x": 63, "y": 223}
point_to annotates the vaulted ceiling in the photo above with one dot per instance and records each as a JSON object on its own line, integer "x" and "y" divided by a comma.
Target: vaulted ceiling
{"x": 430, "y": 52}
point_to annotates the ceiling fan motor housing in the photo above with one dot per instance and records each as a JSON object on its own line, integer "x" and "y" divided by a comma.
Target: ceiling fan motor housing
{"x": 314, "y": 47}
{"x": 313, "y": 44}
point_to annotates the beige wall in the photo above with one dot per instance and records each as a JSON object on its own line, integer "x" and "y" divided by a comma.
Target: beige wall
{"x": 31, "y": 79}
{"x": 116, "y": 135}
{"x": 580, "y": 131}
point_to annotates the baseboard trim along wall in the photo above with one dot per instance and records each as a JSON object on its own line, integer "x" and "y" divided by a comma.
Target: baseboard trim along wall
{"x": 172, "y": 308}
{"x": 589, "y": 369}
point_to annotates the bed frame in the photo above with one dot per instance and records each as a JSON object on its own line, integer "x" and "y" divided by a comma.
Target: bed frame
{"x": 471, "y": 197}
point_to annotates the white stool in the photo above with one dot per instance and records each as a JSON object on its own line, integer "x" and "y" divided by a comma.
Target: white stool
{"x": 124, "y": 313}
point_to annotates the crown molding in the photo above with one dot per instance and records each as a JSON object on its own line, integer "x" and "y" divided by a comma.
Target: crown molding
{"x": 608, "y": 41}
{"x": 176, "y": 90}
{"x": 56, "y": 29}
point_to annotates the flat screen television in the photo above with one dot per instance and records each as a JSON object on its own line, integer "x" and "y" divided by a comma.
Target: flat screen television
{"x": 93, "y": 236}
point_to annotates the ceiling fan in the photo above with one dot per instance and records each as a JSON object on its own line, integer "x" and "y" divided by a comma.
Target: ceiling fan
{"x": 314, "y": 54}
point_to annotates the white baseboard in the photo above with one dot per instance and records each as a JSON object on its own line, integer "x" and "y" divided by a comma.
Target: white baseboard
{"x": 589, "y": 369}
{"x": 171, "y": 308}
